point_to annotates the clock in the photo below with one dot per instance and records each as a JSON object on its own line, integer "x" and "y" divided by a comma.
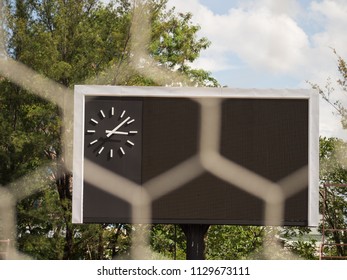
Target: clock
{"x": 117, "y": 137}
{"x": 113, "y": 134}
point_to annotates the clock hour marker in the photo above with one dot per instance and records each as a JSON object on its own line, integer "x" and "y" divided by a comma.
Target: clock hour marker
{"x": 93, "y": 142}
{"x": 91, "y": 131}
{"x": 130, "y": 143}
{"x": 123, "y": 113}
{"x": 100, "y": 151}
{"x": 112, "y": 111}
{"x": 94, "y": 121}
{"x": 131, "y": 121}
{"x": 133, "y": 131}
{"x": 102, "y": 113}
{"x": 122, "y": 151}
{"x": 111, "y": 153}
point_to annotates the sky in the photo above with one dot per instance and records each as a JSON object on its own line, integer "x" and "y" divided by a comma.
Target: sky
{"x": 273, "y": 44}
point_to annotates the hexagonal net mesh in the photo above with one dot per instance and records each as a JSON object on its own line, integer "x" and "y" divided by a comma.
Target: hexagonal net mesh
{"x": 208, "y": 157}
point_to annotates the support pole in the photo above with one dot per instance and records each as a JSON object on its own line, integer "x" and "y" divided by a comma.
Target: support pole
{"x": 195, "y": 235}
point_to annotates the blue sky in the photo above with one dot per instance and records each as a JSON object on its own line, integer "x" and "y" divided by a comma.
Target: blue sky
{"x": 273, "y": 44}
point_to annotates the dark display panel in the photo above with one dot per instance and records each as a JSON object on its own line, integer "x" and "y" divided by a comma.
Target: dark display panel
{"x": 267, "y": 136}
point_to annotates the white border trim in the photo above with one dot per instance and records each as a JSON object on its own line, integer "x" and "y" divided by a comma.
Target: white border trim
{"x": 78, "y": 157}
{"x": 83, "y": 90}
{"x": 192, "y": 92}
{"x": 313, "y": 160}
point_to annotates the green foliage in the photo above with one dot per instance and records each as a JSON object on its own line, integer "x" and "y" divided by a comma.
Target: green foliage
{"x": 169, "y": 241}
{"x": 29, "y": 128}
{"x": 233, "y": 242}
{"x": 175, "y": 45}
{"x": 306, "y": 249}
{"x": 41, "y": 235}
{"x": 332, "y": 163}
{"x": 301, "y": 242}
{"x": 333, "y": 202}
{"x": 174, "y": 40}
{"x": 334, "y": 198}
{"x": 67, "y": 41}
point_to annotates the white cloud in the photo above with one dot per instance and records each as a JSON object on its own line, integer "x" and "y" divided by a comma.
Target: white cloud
{"x": 332, "y": 14}
{"x": 287, "y": 7}
{"x": 264, "y": 37}
{"x": 266, "y": 41}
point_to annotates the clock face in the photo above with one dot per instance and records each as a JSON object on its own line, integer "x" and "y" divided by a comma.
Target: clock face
{"x": 112, "y": 128}
{"x": 114, "y": 138}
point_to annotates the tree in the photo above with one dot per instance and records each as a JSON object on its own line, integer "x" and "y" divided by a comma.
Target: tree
{"x": 329, "y": 94}
{"x": 333, "y": 203}
{"x": 174, "y": 45}
{"x": 75, "y": 42}
{"x": 333, "y": 172}
{"x": 333, "y": 165}
{"x": 169, "y": 241}
{"x": 234, "y": 242}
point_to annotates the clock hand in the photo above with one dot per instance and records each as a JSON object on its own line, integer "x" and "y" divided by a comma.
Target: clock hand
{"x": 117, "y": 132}
{"x": 117, "y": 127}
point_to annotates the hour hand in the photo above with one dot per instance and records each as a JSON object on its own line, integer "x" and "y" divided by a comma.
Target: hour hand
{"x": 110, "y": 132}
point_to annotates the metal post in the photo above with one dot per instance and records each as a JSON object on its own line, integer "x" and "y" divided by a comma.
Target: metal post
{"x": 195, "y": 235}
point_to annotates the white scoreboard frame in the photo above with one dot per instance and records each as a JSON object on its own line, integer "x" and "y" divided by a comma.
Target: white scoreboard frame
{"x": 126, "y": 91}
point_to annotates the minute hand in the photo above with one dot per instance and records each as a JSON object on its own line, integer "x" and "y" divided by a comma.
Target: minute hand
{"x": 117, "y": 127}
